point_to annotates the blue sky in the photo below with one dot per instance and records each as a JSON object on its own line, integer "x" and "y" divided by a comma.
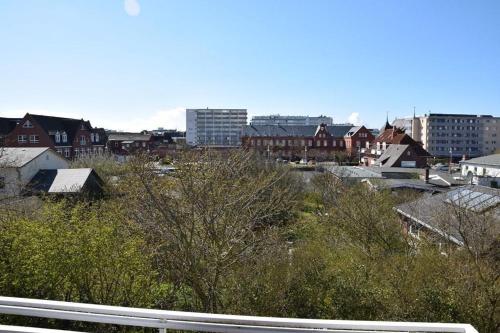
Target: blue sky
{"x": 137, "y": 64}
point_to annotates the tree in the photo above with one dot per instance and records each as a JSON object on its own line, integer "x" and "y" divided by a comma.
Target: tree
{"x": 218, "y": 211}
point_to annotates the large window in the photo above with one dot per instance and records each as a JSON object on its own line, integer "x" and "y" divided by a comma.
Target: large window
{"x": 34, "y": 138}
{"x": 22, "y": 138}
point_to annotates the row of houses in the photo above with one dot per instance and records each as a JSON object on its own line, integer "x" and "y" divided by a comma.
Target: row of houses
{"x": 76, "y": 137}
{"x": 391, "y": 148}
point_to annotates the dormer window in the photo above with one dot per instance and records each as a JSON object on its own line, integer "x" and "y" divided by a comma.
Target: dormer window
{"x": 92, "y": 137}
{"x": 58, "y": 137}
{"x": 28, "y": 124}
{"x": 96, "y": 137}
{"x": 64, "y": 137}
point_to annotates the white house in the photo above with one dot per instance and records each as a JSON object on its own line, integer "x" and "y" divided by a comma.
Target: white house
{"x": 19, "y": 165}
{"x": 482, "y": 170}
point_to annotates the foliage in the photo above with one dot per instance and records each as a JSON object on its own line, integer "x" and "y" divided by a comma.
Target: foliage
{"x": 234, "y": 234}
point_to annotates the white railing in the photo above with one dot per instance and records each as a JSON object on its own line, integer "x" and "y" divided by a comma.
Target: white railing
{"x": 207, "y": 322}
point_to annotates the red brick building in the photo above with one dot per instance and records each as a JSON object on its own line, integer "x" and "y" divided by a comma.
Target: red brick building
{"x": 357, "y": 139}
{"x": 69, "y": 137}
{"x": 295, "y": 142}
{"x": 407, "y": 150}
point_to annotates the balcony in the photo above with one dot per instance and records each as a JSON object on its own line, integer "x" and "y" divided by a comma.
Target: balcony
{"x": 201, "y": 322}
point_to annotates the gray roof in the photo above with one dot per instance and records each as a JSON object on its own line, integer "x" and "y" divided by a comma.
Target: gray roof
{"x": 60, "y": 180}
{"x": 391, "y": 155}
{"x": 18, "y": 157}
{"x": 128, "y": 137}
{"x": 292, "y": 131}
{"x": 416, "y": 184}
{"x": 353, "y": 172}
{"x": 492, "y": 160}
{"x": 431, "y": 211}
{"x": 353, "y": 130}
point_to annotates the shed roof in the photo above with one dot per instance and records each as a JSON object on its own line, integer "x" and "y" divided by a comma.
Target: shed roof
{"x": 60, "y": 180}
{"x": 17, "y": 157}
{"x": 129, "y": 137}
{"x": 428, "y": 211}
{"x": 491, "y": 160}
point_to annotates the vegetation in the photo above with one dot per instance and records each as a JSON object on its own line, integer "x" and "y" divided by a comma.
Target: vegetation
{"x": 233, "y": 234}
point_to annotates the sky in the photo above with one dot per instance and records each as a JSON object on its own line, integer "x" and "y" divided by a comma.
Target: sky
{"x": 137, "y": 64}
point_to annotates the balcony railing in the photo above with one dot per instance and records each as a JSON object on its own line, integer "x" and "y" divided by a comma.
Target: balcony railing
{"x": 202, "y": 322}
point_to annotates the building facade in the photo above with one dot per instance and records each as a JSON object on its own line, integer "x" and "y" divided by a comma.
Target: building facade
{"x": 295, "y": 142}
{"x": 393, "y": 135}
{"x": 357, "y": 140}
{"x": 6, "y": 126}
{"x": 215, "y": 127}
{"x": 291, "y": 120}
{"x": 456, "y": 135}
{"x": 69, "y": 137}
{"x": 19, "y": 165}
{"x": 120, "y": 143}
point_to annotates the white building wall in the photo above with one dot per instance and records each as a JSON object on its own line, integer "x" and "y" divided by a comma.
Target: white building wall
{"x": 215, "y": 127}
{"x": 16, "y": 178}
{"x": 191, "y": 132}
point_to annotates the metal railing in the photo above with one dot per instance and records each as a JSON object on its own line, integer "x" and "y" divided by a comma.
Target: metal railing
{"x": 206, "y": 322}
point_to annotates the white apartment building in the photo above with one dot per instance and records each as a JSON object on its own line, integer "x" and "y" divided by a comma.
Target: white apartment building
{"x": 291, "y": 120}
{"x": 215, "y": 127}
{"x": 454, "y": 134}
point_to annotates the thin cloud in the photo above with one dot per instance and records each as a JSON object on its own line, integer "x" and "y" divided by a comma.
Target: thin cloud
{"x": 132, "y": 7}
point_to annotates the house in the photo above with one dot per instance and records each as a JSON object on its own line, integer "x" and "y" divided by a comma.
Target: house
{"x": 66, "y": 182}
{"x": 357, "y": 139}
{"x": 449, "y": 216}
{"x": 6, "y": 126}
{"x": 19, "y": 165}
{"x": 392, "y": 135}
{"x": 404, "y": 156}
{"x": 295, "y": 142}
{"x": 121, "y": 143}
{"x": 482, "y": 170}
{"x": 69, "y": 137}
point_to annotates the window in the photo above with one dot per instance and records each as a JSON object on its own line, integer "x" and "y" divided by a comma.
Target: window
{"x": 67, "y": 152}
{"x": 64, "y": 137}
{"x": 58, "y": 137}
{"x": 325, "y": 143}
{"x": 28, "y": 124}
{"x": 34, "y": 138}
{"x": 59, "y": 151}
{"x": 83, "y": 140}
{"x": 96, "y": 137}
{"x": 92, "y": 137}
{"x": 22, "y": 138}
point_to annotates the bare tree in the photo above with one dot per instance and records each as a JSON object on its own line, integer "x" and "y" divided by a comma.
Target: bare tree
{"x": 216, "y": 212}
